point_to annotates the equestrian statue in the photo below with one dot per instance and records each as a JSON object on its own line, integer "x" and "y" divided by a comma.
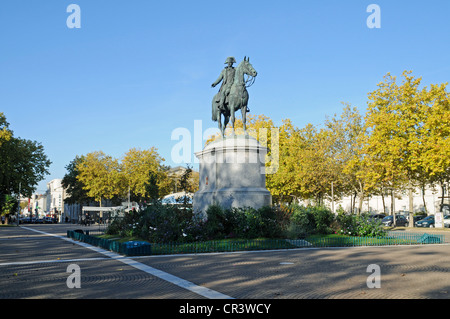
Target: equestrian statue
{"x": 233, "y": 94}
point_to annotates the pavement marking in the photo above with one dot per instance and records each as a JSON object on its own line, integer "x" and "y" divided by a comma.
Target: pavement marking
{"x": 32, "y": 262}
{"x": 202, "y": 291}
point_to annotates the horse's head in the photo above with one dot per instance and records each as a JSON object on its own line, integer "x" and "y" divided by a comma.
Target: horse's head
{"x": 248, "y": 68}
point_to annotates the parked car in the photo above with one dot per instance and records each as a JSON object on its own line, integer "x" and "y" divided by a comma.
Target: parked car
{"x": 377, "y": 216}
{"x": 38, "y": 221}
{"x": 404, "y": 213}
{"x": 418, "y": 217}
{"x": 49, "y": 220}
{"x": 426, "y": 222}
{"x": 400, "y": 220}
{"x": 447, "y": 221}
{"x": 25, "y": 220}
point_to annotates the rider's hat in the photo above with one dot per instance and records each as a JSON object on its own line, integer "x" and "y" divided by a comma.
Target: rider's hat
{"x": 230, "y": 59}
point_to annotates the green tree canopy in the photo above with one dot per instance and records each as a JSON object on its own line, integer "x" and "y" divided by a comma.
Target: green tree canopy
{"x": 23, "y": 164}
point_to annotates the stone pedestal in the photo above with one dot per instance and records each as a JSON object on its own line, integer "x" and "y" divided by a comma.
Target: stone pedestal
{"x": 232, "y": 175}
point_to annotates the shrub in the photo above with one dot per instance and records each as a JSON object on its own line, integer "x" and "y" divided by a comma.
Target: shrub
{"x": 170, "y": 223}
{"x": 241, "y": 222}
{"x": 126, "y": 226}
{"x": 369, "y": 227}
{"x": 359, "y": 225}
{"x": 272, "y": 226}
{"x": 309, "y": 220}
{"x": 302, "y": 219}
{"x": 323, "y": 218}
{"x": 214, "y": 226}
{"x": 294, "y": 231}
{"x": 166, "y": 223}
{"x": 346, "y": 223}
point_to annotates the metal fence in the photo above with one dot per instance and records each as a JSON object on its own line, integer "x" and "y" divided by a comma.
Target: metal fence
{"x": 390, "y": 239}
{"x": 142, "y": 248}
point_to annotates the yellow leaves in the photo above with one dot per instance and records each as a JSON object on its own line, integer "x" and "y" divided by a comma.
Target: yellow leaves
{"x": 104, "y": 177}
{"x": 5, "y": 133}
{"x": 405, "y": 124}
{"x": 101, "y": 175}
{"x": 138, "y": 165}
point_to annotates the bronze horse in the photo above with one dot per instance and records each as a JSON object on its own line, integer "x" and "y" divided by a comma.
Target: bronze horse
{"x": 236, "y": 100}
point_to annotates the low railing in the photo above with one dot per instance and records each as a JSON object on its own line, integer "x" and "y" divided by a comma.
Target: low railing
{"x": 142, "y": 248}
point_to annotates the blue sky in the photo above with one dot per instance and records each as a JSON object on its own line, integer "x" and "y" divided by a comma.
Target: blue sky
{"x": 136, "y": 70}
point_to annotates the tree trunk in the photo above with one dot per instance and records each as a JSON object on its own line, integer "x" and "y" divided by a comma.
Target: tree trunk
{"x": 411, "y": 198}
{"x": 411, "y": 207}
{"x": 392, "y": 203}
{"x": 361, "y": 201}
{"x": 393, "y": 207}
{"x": 423, "y": 199}
{"x": 351, "y": 203}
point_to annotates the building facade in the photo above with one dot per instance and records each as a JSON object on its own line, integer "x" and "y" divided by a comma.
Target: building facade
{"x": 55, "y": 197}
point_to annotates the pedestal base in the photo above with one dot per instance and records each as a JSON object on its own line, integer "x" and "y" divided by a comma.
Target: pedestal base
{"x": 232, "y": 175}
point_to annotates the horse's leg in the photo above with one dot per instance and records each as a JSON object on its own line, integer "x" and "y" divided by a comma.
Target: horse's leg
{"x": 244, "y": 117}
{"x": 232, "y": 117}
{"x": 225, "y": 123}
{"x": 219, "y": 120}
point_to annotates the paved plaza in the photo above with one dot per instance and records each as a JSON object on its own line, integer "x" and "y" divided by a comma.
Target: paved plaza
{"x": 34, "y": 260}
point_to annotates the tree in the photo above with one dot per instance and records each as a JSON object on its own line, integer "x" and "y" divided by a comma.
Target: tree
{"x": 74, "y": 187}
{"x": 145, "y": 174}
{"x": 317, "y": 165}
{"x": 185, "y": 183}
{"x": 394, "y": 118}
{"x": 434, "y": 158}
{"x": 283, "y": 184}
{"x": 306, "y": 164}
{"x": 9, "y": 206}
{"x": 5, "y": 132}
{"x": 23, "y": 164}
{"x": 101, "y": 176}
{"x": 347, "y": 133}
{"x": 188, "y": 181}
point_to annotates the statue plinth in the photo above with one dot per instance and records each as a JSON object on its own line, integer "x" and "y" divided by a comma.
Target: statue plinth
{"x": 232, "y": 174}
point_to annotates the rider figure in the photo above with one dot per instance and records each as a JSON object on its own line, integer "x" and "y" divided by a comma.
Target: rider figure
{"x": 227, "y": 78}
